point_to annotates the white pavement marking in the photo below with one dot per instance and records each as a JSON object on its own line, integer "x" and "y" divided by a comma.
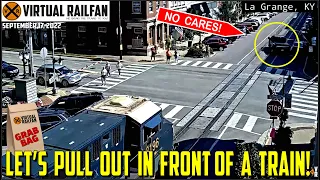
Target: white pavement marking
{"x": 217, "y": 65}
{"x": 268, "y": 69}
{"x": 305, "y": 101}
{"x": 311, "y": 88}
{"x": 304, "y": 97}
{"x": 234, "y": 120}
{"x": 302, "y": 115}
{"x": 207, "y": 64}
{"x": 304, "y": 105}
{"x": 305, "y": 90}
{"x": 179, "y": 61}
{"x": 197, "y": 63}
{"x": 279, "y": 71}
{"x": 250, "y": 123}
{"x": 84, "y": 74}
{"x": 303, "y": 110}
{"x": 163, "y": 106}
{"x": 227, "y": 66}
{"x": 186, "y": 63}
{"x": 91, "y": 89}
{"x": 173, "y": 112}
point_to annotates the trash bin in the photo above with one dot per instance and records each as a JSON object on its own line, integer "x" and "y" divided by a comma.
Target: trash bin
{"x": 189, "y": 44}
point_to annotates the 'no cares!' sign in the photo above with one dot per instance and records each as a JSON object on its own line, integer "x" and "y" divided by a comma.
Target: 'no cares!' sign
{"x": 197, "y": 23}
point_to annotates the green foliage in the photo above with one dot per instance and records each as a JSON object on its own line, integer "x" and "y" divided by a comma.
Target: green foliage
{"x": 168, "y": 43}
{"x": 195, "y": 52}
{"x": 227, "y": 11}
{"x": 283, "y": 137}
{"x": 253, "y": 151}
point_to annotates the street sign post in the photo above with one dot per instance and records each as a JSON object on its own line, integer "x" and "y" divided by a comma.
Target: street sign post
{"x": 274, "y": 108}
{"x": 287, "y": 101}
{"x": 275, "y": 96}
{"x": 118, "y": 31}
{"x": 43, "y": 54}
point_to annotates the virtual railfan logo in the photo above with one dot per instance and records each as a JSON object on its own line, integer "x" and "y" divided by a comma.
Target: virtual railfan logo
{"x": 25, "y": 119}
{"x": 55, "y": 11}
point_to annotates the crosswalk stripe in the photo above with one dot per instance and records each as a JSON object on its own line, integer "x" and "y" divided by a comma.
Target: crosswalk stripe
{"x": 227, "y": 66}
{"x": 217, "y": 65}
{"x": 234, "y": 120}
{"x": 279, "y": 71}
{"x": 142, "y": 65}
{"x": 90, "y": 89}
{"x": 250, "y": 123}
{"x": 173, "y": 112}
{"x": 302, "y": 115}
{"x": 84, "y": 74}
{"x": 129, "y": 72}
{"x": 133, "y": 69}
{"x": 303, "y": 97}
{"x": 304, "y": 105}
{"x": 311, "y": 88}
{"x": 305, "y": 90}
{"x": 179, "y": 61}
{"x": 304, "y": 101}
{"x": 268, "y": 69}
{"x": 164, "y": 106}
{"x": 207, "y": 64}
{"x": 186, "y": 63}
{"x": 126, "y": 75}
{"x": 303, "y": 110}
{"x": 197, "y": 63}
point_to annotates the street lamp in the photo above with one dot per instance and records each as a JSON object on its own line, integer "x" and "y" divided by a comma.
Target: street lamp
{"x": 24, "y": 56}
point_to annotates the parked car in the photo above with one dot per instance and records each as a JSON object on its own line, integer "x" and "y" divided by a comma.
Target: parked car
{"x": 253, "y": 20}
{"x": 243, "y": 28}
{"x": 47, "y": 117}
{"x": 65, "y": 75}
{"x": 217, "y": 43}
{"x": 8, "y": 70}
{"x": 255, "y": 25}
{"x": 264, "y": 16}
{"x": 74, "y": 103}
{"x": 258, "y": 19}
{"x": 278, "y": 44}
{"x": 226, "y": 39}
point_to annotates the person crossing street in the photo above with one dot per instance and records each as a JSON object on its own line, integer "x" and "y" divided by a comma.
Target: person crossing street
{"x": 108, "y": 68}
{"x": 119, "y": 67}
{"x": 168, "y": 54}
{"x": 175, "y": 56}
{"x": 104, "y": 73}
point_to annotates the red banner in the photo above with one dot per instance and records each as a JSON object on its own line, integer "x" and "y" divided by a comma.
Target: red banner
{"x": 198, "y": 23}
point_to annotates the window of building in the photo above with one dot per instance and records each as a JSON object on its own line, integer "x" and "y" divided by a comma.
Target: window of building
{"x": 136, "y": 7}
{"x": 82, "y": 35}
{"x": 150, "y": 6}
{"x": 60, "y": 34}
{"x": 164, "y": 3}
{"x": 102, "y": 36}
{"x": 158, "y": 4}
{"x": 116, "y": 136}
{"x": 6, "y": 34}
{"x": 21, "y": 36}
{"x": 138, "y": 30}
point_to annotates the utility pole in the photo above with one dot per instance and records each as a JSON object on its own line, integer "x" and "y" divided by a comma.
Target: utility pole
{"x": 54, "y": 89}
{"x": 119, "y": 32}
{"x": 31, "y": 73}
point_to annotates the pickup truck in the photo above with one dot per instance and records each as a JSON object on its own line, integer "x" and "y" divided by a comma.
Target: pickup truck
{"x": 278, "y": 44}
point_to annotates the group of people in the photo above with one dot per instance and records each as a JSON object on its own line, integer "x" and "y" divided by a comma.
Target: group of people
{"x": 168, "y": 55}
{"x": 106, "y": 71}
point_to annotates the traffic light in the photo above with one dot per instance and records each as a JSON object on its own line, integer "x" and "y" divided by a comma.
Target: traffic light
{"x": 284, "y": 115}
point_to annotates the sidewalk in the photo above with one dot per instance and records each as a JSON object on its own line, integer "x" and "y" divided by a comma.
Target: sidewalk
{"x": 302, "y": 134}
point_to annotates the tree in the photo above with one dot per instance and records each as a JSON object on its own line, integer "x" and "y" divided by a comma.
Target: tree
{"x": 283, "y": 137}
{"x": 228, "y": 11}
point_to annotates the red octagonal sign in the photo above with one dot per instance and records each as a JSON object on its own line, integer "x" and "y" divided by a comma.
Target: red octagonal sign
{"x": 274, "y": 108}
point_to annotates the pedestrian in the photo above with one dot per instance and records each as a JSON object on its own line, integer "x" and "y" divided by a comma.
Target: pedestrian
{"x": 119, "y": 67}
{"x": 153, "y": 53}
{"x": 244, "y": 29}
{"x": 104, "y": 73}
{"x": 108, "y": 68}
{"x": 175, "y": 56}
{"x": 168, "y": 54}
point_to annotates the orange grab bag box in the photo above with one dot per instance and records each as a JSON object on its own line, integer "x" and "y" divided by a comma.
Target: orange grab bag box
{"x": 23, "y": 128}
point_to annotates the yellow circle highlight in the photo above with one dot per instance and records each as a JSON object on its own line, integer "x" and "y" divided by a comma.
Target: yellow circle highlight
{"x": 256, "y": 38}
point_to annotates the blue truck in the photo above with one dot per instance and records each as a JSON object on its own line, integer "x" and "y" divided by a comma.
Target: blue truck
{"x": 117, "y": 123}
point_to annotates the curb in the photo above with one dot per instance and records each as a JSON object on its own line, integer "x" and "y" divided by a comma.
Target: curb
{"x": 294, "y": 127}
{"x": 157, "y": 60}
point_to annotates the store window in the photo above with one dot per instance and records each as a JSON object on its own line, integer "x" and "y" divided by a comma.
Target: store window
{"x": 60, "y": 35}
{"x": 136, "y": 7}
{"x": 82, "y": 35}
{"x": 102, "y": 36}
{"x": 150, "y": 6}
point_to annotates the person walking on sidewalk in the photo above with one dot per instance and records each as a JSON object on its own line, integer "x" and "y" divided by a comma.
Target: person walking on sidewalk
{"x": 168, "y": 54}
{"x": 104, "y": 73}
{"x": 119, "y": 67}
{"x": 153, "y": 53}
{"x": 108, "y": 68}
{"x": 175, "y": 56}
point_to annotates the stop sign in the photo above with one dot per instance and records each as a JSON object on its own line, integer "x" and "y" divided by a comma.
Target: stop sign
{"x": 274, "y": 108}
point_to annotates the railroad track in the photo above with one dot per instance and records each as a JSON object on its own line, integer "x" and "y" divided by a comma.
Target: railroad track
{"x": 236, "y": 74}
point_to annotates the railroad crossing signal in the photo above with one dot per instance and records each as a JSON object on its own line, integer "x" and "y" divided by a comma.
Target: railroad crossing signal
{"x": 274, "y": 108}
